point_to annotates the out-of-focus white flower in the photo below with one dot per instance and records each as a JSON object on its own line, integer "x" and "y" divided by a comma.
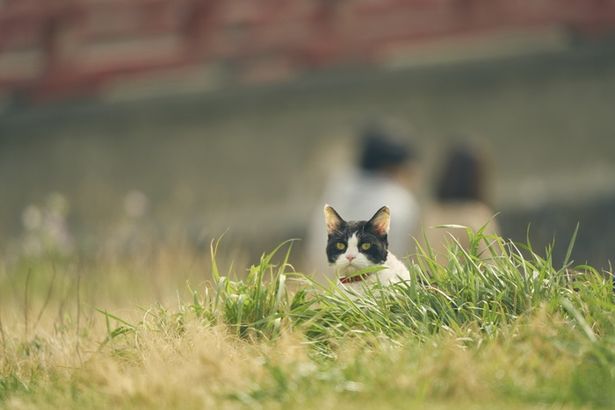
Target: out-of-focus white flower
{"x": 135, "y": 204}
{"x": 31, "y": 217}
{"x": 46, "y": 228}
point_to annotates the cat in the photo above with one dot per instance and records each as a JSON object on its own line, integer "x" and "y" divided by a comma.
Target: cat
{"x": 356, "y": 245}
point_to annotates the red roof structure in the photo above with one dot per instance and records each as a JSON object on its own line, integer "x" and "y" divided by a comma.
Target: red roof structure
{"x": 52, "y": 49}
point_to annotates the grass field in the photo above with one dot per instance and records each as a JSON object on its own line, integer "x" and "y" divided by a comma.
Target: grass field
{"x": 507, "y": 329}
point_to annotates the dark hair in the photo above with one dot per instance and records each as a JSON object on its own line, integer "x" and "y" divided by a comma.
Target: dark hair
{"x": 462, "y": 178}
{"x": 381, "y": 151}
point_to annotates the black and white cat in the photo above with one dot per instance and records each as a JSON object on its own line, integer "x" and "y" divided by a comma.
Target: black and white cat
{"x": 356, "y": 245}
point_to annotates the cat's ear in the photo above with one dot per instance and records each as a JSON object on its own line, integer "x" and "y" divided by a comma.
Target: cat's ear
{"x": 381, "y": 221}
{"x": 333, "y": 220}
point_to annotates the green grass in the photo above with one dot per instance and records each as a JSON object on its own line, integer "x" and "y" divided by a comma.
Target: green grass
{"x": 497, "y": 326}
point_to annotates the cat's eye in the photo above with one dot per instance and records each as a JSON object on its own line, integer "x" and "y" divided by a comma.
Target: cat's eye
{"x": 365, "y": 246}
{"x": 340, "y": 245}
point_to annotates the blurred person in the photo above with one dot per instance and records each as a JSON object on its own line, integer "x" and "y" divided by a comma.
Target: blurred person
{"x": 382, "y": 177}
{"x": 460, "y": 200}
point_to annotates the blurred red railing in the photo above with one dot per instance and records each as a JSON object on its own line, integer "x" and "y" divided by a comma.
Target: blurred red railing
{"x": 50, "y": 49}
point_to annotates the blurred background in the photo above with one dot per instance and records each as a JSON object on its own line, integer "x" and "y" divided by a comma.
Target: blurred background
{"x": 127, "y": 124}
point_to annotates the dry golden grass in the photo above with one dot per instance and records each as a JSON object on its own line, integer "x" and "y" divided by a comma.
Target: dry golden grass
{"x": 128, "y": 333}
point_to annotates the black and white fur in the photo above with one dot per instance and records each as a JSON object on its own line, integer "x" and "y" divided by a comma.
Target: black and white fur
{"x": 356, "y": 245}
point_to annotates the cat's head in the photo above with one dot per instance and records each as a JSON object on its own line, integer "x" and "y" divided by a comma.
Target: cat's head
{"x": 356, "y": 245}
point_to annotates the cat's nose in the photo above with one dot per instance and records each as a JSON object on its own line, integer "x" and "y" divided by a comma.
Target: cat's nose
{"x": 350, "y": 257}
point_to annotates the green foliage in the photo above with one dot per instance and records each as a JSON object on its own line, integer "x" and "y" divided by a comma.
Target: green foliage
{"x": 497, "y": 323}
{"x": 485, "y": 290}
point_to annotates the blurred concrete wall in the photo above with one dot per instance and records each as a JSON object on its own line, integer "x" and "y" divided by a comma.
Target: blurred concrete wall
{"x": 253, "y": 159}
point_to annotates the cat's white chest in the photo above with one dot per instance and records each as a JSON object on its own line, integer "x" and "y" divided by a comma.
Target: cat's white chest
{"x": 395, "y": 271}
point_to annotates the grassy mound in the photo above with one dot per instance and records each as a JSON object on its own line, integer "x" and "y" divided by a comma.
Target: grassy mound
{"x": 495, "y": 328}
